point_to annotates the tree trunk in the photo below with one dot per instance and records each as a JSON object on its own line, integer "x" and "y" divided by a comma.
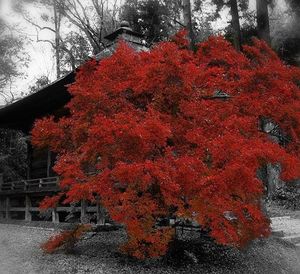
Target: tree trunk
{"x": 263, "y": 27}
{"x": 187, "y": 19}
{"x": 273, "y": 179}
{"x": 235, "y": 24}
{"x": 57, "y": 46}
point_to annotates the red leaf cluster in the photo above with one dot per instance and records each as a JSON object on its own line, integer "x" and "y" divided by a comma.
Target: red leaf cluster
{"x": 65, "y": 239}
{"x": 149, "y": 135}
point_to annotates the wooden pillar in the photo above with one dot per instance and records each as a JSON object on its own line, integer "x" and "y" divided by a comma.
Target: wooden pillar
{"x": 48, "y": 163}
{"x": 7, "y": 208}
{"x": 1, "y": 180}
{"x": 83, "y": 212}
{"x": 55, "y": 216}
{"x": 100, "y": 213}
{"x": 2, "y": 206}
{"x": 28, "y": 216}
{"x": 29, "y": 157}
{"x": 1, "y": 210}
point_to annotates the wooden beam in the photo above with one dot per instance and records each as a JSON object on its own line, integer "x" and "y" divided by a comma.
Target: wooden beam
{"x": 91, "y": 209}
{"x": 49, "y": 184}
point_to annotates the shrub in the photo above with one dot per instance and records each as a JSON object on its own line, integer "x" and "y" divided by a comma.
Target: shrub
{"x": 171, "y": 132}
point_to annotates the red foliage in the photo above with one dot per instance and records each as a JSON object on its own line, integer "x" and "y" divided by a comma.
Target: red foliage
{"x": 65, "y": 239}
{"x": 50, "y": 202}
{"x": 146, "y": 136}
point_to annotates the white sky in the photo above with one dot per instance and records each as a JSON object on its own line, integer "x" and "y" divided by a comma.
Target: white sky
{"x": 41, "y": 54}
{"x": 42, "y": 61}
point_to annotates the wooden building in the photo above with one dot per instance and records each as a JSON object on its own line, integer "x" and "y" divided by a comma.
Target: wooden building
{"x": 20, "y": 199}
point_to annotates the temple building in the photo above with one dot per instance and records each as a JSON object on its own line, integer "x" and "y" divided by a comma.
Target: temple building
{"x": 20, "y": 199}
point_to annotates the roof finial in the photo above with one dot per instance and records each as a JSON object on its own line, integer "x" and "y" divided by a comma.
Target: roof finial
{"x": 123, "y": 29}
{"x": 124, "y": 24}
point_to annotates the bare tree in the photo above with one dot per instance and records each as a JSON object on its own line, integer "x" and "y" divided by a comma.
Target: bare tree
{"x": 57, "y": 21}
{"x": 95, "y": 19}
{"x": 88, "y": 24}
{"x": 51, "y": 21}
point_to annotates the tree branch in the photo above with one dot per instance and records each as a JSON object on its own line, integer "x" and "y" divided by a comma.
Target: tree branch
{"x": 36, "y": 25}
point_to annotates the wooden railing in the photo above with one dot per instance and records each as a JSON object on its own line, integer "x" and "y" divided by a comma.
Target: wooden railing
{"x": 37, "y": 185}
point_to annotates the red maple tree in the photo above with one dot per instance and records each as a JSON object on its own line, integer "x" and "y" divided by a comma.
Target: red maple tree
{"x": 172, "y": 132}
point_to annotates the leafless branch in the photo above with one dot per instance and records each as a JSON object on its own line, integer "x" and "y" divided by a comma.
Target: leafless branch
{"x": 174, "y": 20}
{"x": 36, "y": 25}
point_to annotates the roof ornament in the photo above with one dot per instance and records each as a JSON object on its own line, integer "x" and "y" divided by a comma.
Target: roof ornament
{"x": 125, "y": 24}
{"x": 123, "y": 31}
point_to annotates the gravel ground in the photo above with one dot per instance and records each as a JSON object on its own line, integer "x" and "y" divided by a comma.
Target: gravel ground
{"x": 19, "y": 248}
{"x": 289, "y": 225}
{"x": 20, "y": 253}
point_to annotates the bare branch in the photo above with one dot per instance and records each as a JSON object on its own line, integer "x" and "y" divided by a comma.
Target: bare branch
{"x": 46, "y": 41}
{"x": 36, "y": 25}
{"x": 77, "y": 21}
{"x": 83, "y": 11}
{"x": 174, "y": 20}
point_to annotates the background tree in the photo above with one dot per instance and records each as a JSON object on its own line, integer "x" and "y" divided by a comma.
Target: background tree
{"x": 95, "y": 18}
{"x": 187, "y": 21}
{"x": 173, "y": 133}
{"x": 49, "y": 20}
{"x": 235, "y": 21}
{"x": 75, "y": 50}
{"x": 156, "y": 19}
{"x": 295, "y": 5}
{"x": 13, "y": 155}
{"x": 286, "y": 33}
{"x": 40, "y": 83}
{"x": 235, "y": 28}
{"x": 202, "y": 18}
{"x": 85, "y": 25}
{"x": 159, "y": 20}
{"x": 12, "y": 59}
{"x": 263, "y": 25}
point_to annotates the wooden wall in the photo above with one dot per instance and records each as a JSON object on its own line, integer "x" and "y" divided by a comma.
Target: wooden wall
{"x": 41, "y": 163}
